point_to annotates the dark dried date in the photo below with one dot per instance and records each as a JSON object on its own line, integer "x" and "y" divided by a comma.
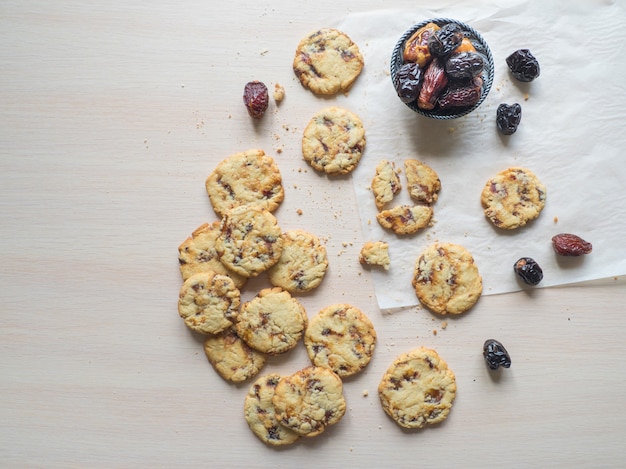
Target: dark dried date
{"x": 445, "y": 40}
{"x": 408, "y": 82}
{"x": 508, "y": 118}
{"x": 528, "y": 270}
{"x": 464, "y": 66}
{"x": 461, "y": 96}
{"x": 256, "y": 98}
{"x": 567, "y": 244}
{"x": 496, "y": 355}
{"x": 523, "y": 65}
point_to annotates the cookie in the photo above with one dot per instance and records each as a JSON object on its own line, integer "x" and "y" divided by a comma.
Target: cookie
{"x": 405, "y": 219}
{"x": 423, "y": 182}
{"x": 232, "y": 358}
{"x": 272, "y": 322}
{"x": 247, "y": 178}
{"x": 333, "y": 141}
{"x": 302, "y": 264}
{"x": 342, "y": 338}
{"x": 513, "y": 197}
{"x": 258, "y": 411}
{"x": 197, "y": 254}
{"x": 250, "y": 240}
{"x": 417, "y": 389}
{"x": 309, "y": 400}
{"x": 327, "y": 61}
{"x": 375, "y": 253}
{"x": 385, "y": 184}
{"x": 446, "y": 279}
{"x": 208, "y": 302}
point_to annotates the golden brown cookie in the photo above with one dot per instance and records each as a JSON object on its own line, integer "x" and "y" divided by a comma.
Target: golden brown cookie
{"x": 247, "y": 178}
{"x": 513, "y": 197}
{"x": 272, "y": 322}
{"x": 333, "y": 141}
{"x": 309, "y": 400}
{"x": 417, "y": 389}
{"x": 385, "y": 184}
{"x": 342, "y": 338}
{"x": 423, "y": 182}
{"x": 446, "y": 279}
{"x": 208, "y": 302}
{"x": 375, "y": 253}
{"x": 250, "y": 240}
{"x": 302, "y": 265}
{"x": 405, "y": 219}
{"x": 231, "y": 357}
{"x": 327, "y": 61}
{"x": 197, "y": 254}
{"x": 259, "y": 412}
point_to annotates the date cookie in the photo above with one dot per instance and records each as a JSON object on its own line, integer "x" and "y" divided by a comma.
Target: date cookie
{"x": 272, "y": 322}
{"x": 342, "y": 338}
{"x": 446, "y": 279}
{"x": 208, "y": 302}
{"x": 375, "y": 253}
{"x": 197, "y": 254}
{"x": 250, "y": 240}
{"x": 333, "y": 141}
{"x": 417, "y": 389}
{"x": 302, "y": 265}
{"x": 327, "y": 61}
{"x": 247, "y": 178}
{"x": 423, "y": 182}
{"x": 385, "y": 184}
{"x": 232, "y": 358}
{"x": 309, "y": 400}
{"x": 513, "y": 197}
{"x": 405, "y": 219}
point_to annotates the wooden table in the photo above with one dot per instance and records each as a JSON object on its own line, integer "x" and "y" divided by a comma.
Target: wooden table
{"x": 113, "y": 114}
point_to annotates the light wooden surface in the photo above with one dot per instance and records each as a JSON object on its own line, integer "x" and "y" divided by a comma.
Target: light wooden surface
{"x": 113, "y": 114}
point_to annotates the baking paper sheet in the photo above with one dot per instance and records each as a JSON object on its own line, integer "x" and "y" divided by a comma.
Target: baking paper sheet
{"x": 571, "y": 136}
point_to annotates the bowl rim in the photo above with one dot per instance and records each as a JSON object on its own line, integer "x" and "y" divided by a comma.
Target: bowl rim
{"x": 481, "y": 47}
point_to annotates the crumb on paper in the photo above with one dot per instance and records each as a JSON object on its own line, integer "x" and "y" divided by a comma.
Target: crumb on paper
{"x": 556, "y": 219}
{"x": 365, "y": 393}
{"x": 279, "y": 150}
{"x": 264, "y": 51}
{"x": 279, "y": 94}
{"x": 526, "y": 96}
{"x": 434, "y": 331}
{"x": 299, "y": 211}
{"x": 451, "y": 130}
{"x": 444, "y": 324}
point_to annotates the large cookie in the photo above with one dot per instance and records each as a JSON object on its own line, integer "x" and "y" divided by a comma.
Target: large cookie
{"x": 513, "y": 197}
{"x": 385, "y": 184}
{"x": 208, "y": 302}
{"x": 302, "y": 264}
{"x": 333, "y": 141}
{"x": 272, "y": 322}
{"x": 446, "y": 279}
{"x": 197, "y": 254}
{"x": 250, "y": 240}
{"x": 309, "y": 400}
{"x": 342, "y": 338}
{"x": 417, "y": 389}
{"x": 405, "y": 219}
{"x": 327, "y": 61}
{"x": 258, "y": 411}
{"x": 231, "y": 357}
{"x": 247, "y": 178}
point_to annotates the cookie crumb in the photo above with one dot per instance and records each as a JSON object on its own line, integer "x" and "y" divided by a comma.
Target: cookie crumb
{"x": 556, "y": 219}
{"x": 444, "y": 324}
{"x": 526, "y": 96}
{"x": 299, "y": 211}
{"x": 434, "y": 331}
{"x": 279, "y": 92}
{"x": 365, "y": 393}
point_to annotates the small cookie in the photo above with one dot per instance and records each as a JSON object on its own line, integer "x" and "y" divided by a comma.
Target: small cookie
{"x": 258, "y": 411}
{"x": 405, "y": 219}
{"x": 423, "y": 182}
{"x": 417, "y": 389}
{"x": 247, "y": 178}
{"x": 302, "y": 264}
{"x": 333, "y": 141}
{"x": 197, "y": 254}
{"x": 272, "y": 322}
{"x": 231, "y": 357}
{"x": 446, "y": 279}
{"x": 385, "y": 184}
{"x": 309, "y": 400}
{"x": 342, "y": 338}
{"x": 250, "y": 240}
{"x": 375, "y": 253}
{"x": 513, "y": 197}
{"x": 208, "y": 302}
{"x": 327, "y": 61}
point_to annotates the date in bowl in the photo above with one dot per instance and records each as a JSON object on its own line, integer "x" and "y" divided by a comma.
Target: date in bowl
{"x": 442, "y": 68}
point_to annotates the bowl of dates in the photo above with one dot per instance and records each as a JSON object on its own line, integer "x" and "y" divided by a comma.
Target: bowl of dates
{"x": 442, "y": 68}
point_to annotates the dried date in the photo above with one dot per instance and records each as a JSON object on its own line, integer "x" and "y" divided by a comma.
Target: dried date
{"x": 433, "y": 83}
{"x": 445, "y": 40}
{"x": 461, "y": 96}
{"x": 465, "y": 65}
{"x": 496, "y": 355}
{"x": 567, "y": 244}
{"x": 508, "y": 118}
{"x": 528, "y": 270}
{"x": 523, "y": 65}
{"x": 408, "y": 82}
{"x": 256, "y": 98}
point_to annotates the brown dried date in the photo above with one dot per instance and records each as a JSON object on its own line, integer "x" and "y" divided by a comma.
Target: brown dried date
{"x": 256, "y": 98}
{"x": 464, "y": 65}
{"x": 462, "y": 96}
{"x": 567, "y": 244}
{"x": 433, "y": 83}
{"x": 416, "y": 48}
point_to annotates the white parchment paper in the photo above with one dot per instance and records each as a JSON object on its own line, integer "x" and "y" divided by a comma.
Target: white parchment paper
{"x": 572, "y": 136}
